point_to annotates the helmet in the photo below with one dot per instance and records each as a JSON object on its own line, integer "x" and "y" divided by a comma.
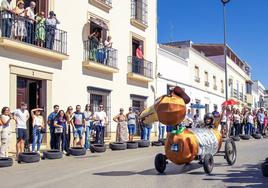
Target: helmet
{"x": 209, "y": 116}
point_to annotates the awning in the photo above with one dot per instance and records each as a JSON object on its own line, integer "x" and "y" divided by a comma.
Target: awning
{"x": 99, "y": 22}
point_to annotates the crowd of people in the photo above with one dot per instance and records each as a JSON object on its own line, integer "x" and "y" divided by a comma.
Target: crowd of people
{"x": 25, "y": 25}
{"x": 233, "y": 122}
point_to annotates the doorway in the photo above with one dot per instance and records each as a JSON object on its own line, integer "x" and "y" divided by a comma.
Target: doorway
{"x": 41, "y": 5}
{"x": 30, "y": 92}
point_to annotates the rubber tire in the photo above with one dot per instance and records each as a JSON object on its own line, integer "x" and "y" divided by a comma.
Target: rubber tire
{"x": 163, "y": 141}
{"x": 144, "y": 143}
{"x": 266, "y": 160}
{"x": 6, "y": 162}
{"x": 97, "y": 148}
{"x": 132, "y": 145}
{"x": 235, "y": 138}
{"x": 52, "y": 154}
{"x": 115, "y": 146}
{"x": 160, "y": 163}
{"x": 29, "y": 157}
{"x": 245, "y": 137}
{"x": 77, "y": 151}
{"x": 227, "y": 157}
{"x": 256, "y": 136}
{"x": 208, "y": 163}
{"x": 157, "y": 143}
{"x": 264, "y": 169}
{"x": 265, "y": 136}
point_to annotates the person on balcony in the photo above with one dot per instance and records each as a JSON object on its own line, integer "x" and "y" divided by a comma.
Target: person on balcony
{"x": 40, "y": 34}
{"x": 94, "y": 41}
{"x": 101, "y": 53}
{"x": 51, "y": 26}
{"x": 30, "y": 15}
{"x": 19, "y": 26}
{"x": 138, "y": 64}
{"x": 108, "y": 47}
{"x": 6, "y": 18}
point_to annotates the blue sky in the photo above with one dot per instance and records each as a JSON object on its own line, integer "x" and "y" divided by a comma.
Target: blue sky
{"x": 202, "y": 21}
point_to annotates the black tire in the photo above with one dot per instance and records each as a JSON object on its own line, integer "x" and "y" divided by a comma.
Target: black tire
{"x": 163, "y": 141}
{"x": 230, "y": 152}
{"x": 97, "y": 148}
{"x": 265, "y": 136}
{"x": 144, "y": 143}
{"x": 29, "y": 157}
{"x": 157, "y": 143}
{"x": 52, "y": 154}
{"x": 266, "y": 160}
{"x": 115, "y": 146}
{"x": 245, "y": 137}
{"x": 208, "y": 163}
{"x": 132, "y": 145}
{"x": 235, "y": 138}
{"x": 160, "y": 163}
{"x": 77, "y": 151}
{"x": 256, "y": 136}
{"x": 264, "y": 169}
{"x": 6, "y": 162}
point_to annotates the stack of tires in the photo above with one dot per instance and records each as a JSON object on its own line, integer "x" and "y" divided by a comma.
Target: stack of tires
{"x": 144, "y": 143}
{"x": 6, "y": 162}
{"x": 28, "y": 157}
{"x": 52, "y": 154}
{"x": 244, "y": 136}
{"x": 116, "y": 146}
{"x": 97, "y": 148}
{"x": 264, "y": 168}
{"x": 256, "y": 136}
{"x": 77, "y": 151}
{"x": 132, "y": 145}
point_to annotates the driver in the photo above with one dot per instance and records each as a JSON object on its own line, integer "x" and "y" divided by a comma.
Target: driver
{"x": 209, "y": 120}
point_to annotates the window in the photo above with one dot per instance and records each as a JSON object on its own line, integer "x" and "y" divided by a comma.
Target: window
{"x": 135, "y": 45}
{"x": 98, "y": 25}
{"x": 139, "y": 10}
{"x": 222, "y": 86}
{"x": 215, "y": 82}
{"x": 207, "y": 108}
{"x": 249, "y": 88}
{"x": 206, "y": 76}
{"x": 196, "y": 73}
{"x": 41, "y": 5}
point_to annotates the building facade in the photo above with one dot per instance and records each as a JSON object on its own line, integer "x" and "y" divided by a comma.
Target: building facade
{"x": 73, "y": 71}
{"x": 259, "y": 95}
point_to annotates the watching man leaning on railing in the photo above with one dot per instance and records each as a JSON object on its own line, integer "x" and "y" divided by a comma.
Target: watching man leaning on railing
{"x": 51, "y": 26}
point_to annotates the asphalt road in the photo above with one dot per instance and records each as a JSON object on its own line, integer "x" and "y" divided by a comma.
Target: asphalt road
{"x": 135, "y": 168}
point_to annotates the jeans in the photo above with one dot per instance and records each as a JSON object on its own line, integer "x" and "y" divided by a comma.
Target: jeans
{"x": 132, "y": 129}
{"x": 6, "y": 27}
{"x": 236, "y": 129}
{"x": 146, "y": 133}
{"x": 87, "y": 136}
{"x": 161, "y": 133}
{"x": 52, "y": 138}
{"x": 30, "y": 33}
{"x": 37, "y": 138}
{"x": 100, "y": 134}
{"x": 61, "y": 140}
{"x": 249, "y": 129}
{"x": 260, "y": 128}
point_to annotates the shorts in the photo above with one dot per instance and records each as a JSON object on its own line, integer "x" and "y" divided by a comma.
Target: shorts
{"x": 21, "y": 134}
{"x": 169, "y": 128}
{"x": 79, "y": 130}
{"x": 132, "y": 129}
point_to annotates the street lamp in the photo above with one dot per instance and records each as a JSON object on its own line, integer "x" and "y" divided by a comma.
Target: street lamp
{"x": 224, "y": 2}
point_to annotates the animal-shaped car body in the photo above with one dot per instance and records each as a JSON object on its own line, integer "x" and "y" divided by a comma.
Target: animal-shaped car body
{"x": 183, "y": 145}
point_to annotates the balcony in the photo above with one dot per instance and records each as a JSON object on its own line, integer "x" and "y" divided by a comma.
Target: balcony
{"x": 100, "y": 59}
{"x": 206, "y": 83}
{"x": 197, "y": 79}
{"x": 139, "y": 14}
{"x": 17, "y": 36}
{"x": 104, "y": 5}
{"x": 140, "y": 69}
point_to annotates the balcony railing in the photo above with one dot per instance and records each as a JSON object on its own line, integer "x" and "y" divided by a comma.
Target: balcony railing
{"x": 197, "y": 79}
{"x": 98, "y": 54}
{"x": 29, "y": 32}
{"x": 206, "y": 83}
{"x": 139, "y": 11}
{"x": 140, "y": 66}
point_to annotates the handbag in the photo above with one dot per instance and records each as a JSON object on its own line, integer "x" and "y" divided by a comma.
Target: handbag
{"x": 59, "y": 130}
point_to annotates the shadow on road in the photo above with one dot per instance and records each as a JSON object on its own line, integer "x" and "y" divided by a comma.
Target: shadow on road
{"x": 249, "y": 175}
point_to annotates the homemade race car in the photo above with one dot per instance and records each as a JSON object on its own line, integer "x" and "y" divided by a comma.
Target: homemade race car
{"x": 184, "y": 145}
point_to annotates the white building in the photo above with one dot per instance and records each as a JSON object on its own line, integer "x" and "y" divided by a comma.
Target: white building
{"x": 74, "y": 72}
{"x": 259, "y": 94}
{"x": 202, "y": 79}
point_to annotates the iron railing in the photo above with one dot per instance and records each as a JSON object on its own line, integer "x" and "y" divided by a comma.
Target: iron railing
{"x": 98, "y": 54}
{"x": 22, "y": 29}
{"x": 140, "y": 66}
{"x": 139, "y": 11}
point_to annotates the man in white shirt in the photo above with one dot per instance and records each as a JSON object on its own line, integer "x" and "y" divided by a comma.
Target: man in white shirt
{"x": 6, "y": 15}
{"x": 30, "y": 22}
{"x": 22, "y": 116}
{"x": 101, "y": 121}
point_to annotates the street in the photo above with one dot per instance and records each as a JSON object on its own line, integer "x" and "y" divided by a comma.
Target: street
{"x": 135, "y": 168}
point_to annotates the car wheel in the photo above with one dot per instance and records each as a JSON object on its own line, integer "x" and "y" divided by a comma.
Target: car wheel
{"x": 245, "y": 137}
{"x": 6, "y": 162}
{"x": 160, "y": 163}
{"x": 29, "y": 157}
{"x": 144, "y": 143}
{"x": 230, "y": 152}
{"x": 208, "y": 163}
{"x": 52, "y": 154}
{"x": 132, "y": 145}
{"x": 118, "y": 146}
{"x": 97, "y": 148}
{"x": 77, "y": 151}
